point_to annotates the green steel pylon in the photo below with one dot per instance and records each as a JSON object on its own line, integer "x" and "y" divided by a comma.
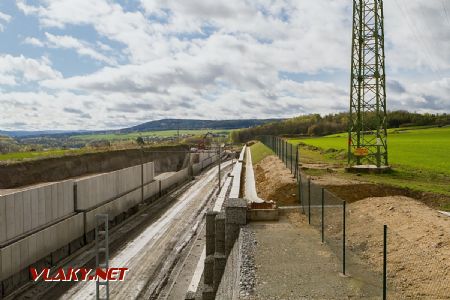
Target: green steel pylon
{"x": 367, "y": 143}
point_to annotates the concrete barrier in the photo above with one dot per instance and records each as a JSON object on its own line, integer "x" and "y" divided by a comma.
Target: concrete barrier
{"x": 229, "y": 284}
{"x": 148, "y": 172}
{"x": 113, "y": 208}
{"x": 29, "y": 250}
{"x": 196, "y": 168}
{"x": 151, "y": 190}
{"x": 26, "y": 210}
{"x": 96, "y": 190}
{"x": 175, "y": 178}
{"x": 236, "y": 184}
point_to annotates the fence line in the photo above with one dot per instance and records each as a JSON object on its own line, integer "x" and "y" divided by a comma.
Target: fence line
{"x": 392, "y": 265}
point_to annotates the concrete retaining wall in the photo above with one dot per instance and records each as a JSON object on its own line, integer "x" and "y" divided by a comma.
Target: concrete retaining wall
{"x": 31, "y": 249}
{"x": 98, "y": 189}
{"x": 151, "y": 189}
{"x": 148, "y": 172}
{"x": 174, "y": 179}
{"x": 165, "y": 158}
{"x": 39, "y": 225}
{"x": 229, "y": 285}
{"x": 28, "y": 209}
{"x": 236, "y": 173}
{"x": 113, "y": 208}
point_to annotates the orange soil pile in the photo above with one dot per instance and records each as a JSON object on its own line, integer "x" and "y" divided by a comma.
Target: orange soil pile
{"x": 418, "y": 244}
{"x": 275, "y": 182}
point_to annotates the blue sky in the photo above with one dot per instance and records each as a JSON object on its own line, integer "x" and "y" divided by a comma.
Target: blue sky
{"x": 83, "y": 64}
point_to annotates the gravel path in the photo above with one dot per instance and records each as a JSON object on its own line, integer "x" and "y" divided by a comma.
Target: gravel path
{"x": 248, "y": 269}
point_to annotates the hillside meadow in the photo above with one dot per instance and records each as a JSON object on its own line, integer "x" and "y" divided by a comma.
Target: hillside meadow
{"x": 425, "y": 149}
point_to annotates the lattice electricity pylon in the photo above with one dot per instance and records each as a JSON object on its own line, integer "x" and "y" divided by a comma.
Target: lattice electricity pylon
{"x": 367, "y": 142}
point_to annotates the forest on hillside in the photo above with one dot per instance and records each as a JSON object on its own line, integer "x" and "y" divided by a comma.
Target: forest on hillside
{"x": 317, "y": 125}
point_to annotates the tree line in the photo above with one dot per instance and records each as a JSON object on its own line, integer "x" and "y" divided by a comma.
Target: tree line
{"x": 317, "y": 125}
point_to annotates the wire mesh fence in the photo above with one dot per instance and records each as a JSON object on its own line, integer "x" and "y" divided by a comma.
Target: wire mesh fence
{"x": 389, "y": 264}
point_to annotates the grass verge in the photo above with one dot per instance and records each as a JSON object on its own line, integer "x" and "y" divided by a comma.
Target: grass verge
{"x": 259, "y": 152}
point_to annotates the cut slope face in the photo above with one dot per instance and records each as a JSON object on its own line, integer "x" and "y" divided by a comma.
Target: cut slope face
{"x": 418, "y": 243}
{"x": 275, "y": 182}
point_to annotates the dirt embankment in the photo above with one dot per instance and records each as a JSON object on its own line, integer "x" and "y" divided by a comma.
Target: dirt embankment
{"x": 275, "y": 182}
{"x": 418, "y": 244}
{"x": 418, "y": 235}
{"x": 59, "y": 168}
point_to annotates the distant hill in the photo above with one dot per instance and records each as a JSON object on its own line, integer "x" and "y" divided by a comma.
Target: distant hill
{"x": 174, "y": 124}
{"x": 158, "y": 125}
{"x": 25, "y": 133}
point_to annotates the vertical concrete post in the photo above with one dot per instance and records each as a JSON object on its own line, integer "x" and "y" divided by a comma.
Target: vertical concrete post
{"x": 210, "y": 232}
{"x": 208, "y": 274}
{"x": 236, "y": 216}
{"x": 219, "y": 255}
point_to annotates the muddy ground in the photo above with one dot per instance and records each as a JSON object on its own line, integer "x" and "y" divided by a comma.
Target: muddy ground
{"x": 418, "y": 235}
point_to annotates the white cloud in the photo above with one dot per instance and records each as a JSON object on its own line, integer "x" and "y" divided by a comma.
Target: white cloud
{"x": 26, "y": 69}
{"x": 5, "y": 19}
{"x": 81, "y": 47}
{"x": 223, "y": 59}
{"x": 33, "y": 41}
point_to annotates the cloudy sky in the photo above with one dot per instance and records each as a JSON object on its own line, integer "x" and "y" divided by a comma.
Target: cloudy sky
{"x": 95, "y": 64}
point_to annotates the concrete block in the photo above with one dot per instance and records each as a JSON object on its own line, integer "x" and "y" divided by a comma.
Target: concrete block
{"x": 48, "y": 203}
{"x": 18, "y": 212}
{"x": 220, "y": 234}
{"x": 71, "y": 198}
{"x": 15, "y": 258}
{"x": 2, "y": 219}
{"x": 27, "y": 226}
{"x": 220, "y": 261}
{"x": 54, "y": 201}
{"x": 208, "y": 273}
{"x": 41, "y": 207}
{"x": 236, "y": 211}
{"x": 210, "y": 232}
{"x": 40, "y": 245}
{"x": 32, "y": 248}
{"x": 208, "y": 292}
{"x": 34, "y": 208}
{"x": 24, "y": 253}
{"x": 10, "y": 217}
{"x": 6, "y": 262}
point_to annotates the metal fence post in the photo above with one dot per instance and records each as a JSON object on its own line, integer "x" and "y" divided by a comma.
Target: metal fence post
{"x": 286, "y": 153}
{"x": 101, "y": 246}
{"x": 296, "y": 162}
{"x": 309, "y": 201}
{"x": 343, "y": 236}
{"x": 323, "y": 215}
{"x": 291, "y": 158}
{"x": 384, "y": 262}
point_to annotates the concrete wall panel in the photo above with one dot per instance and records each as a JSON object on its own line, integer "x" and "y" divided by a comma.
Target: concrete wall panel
{"x": 151, "y": 189}
{"x": 18, "y": 212}
{"x": 55, "y": 200}
{"x": 10, "y": 217}
{"x": 6, "y": 258}
{"x": 34, "y": 208}
{"x": 35, "y": 247}
{"x": 41, "y": 207}
{"x": 149, "y": 172}
{"x": 48, "y": 204}
{"x": 2, "y": 219}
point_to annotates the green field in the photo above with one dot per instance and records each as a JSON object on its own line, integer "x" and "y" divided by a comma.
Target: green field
{"x": 134, "y": 135}
{"x": 259, "y": 151}
{"x": 17, "y": 156}
{"x": 425, "y": 149}
{"x": 420, "y": 158}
